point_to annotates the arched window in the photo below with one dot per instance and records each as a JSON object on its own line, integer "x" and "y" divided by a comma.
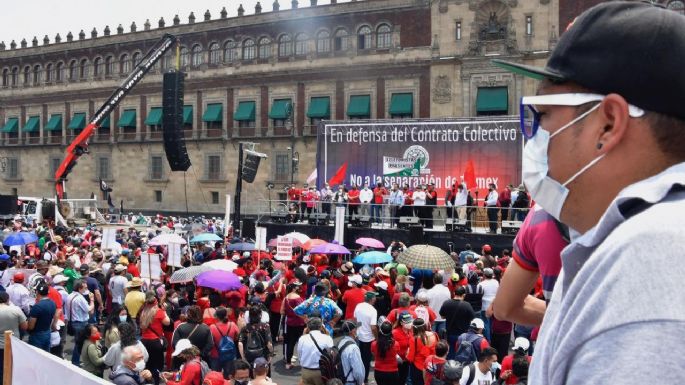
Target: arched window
{"x": 285, "y": 46}
{"x": 364, "y": 37}
{"x": 73, "y": 71}
{"x": 677, "y": 6}
{"x": 27, "y": 75}
{"x": 383, "y": 36}
{"x": 37, "y": 75}
{"x": 248, "y": 49}
{"x": 185, "y": 57}
{"x": 196, "y": 56}
{"x": 97, "y": 67}
{"x": 135, "y": 60}
{"x": 340, "y": 40}
{"x": 323, "y": 42}
{"x": 84, "y": 70}
{"x": 229, "y": 51}
{"x": 15, "y": 76}
{"x": 264, "y": 48}
{"x": 301, "y": 44}
{"x": 48, "y": 73}
{"x": 125, "y": 64}
{"x": 59, "y": 72}
{"x": 5, "y": 77}
{"x": 214, "y": 53}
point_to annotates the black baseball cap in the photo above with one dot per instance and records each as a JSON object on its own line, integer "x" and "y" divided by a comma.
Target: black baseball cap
{"x": 633, "y": 49}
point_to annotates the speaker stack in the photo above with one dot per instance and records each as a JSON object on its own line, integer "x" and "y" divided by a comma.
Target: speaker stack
{"x": 172, "y": 121}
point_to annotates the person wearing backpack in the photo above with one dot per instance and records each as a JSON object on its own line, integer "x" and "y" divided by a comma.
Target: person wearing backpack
{"x": 310, "y": 348}
{"x": 193, "y": 370}
{"x": 225, "y": 334}
{"x": 479, "y": 372}
{"x": 434, "y": 373}
{"x": 351, "y": 367}
{"x": 254, "y": 340}
{"x": 474, "y": 292}
{"x": 470, "y": 344}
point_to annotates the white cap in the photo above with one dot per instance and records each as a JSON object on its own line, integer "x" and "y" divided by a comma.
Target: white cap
{"x": 521, "y": 343}
{"x": 182, "y": 345}
{"x": 355, "y": 279}
{"x": 59, "y": 279}
{"x": 422, "y": 296}
{"x": 477, "y": 323}
{"x": 382, "y": 284}
{"x": 246, "y": 254}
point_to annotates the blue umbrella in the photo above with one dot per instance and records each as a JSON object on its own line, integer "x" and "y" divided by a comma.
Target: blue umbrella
{"x": 205, "y": 237}
{"x": 19, "y": 239}
{"x": 372, "y": 258}
{"x": 242, "y": 246}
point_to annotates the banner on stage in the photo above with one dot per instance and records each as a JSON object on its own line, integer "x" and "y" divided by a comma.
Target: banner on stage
{"x": 422, "y": 152}
{"x": 284, "y": 248}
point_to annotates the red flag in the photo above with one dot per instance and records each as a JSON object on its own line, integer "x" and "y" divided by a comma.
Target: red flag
{"x": 470, "y": 175}
{"x": 339, "y": 176}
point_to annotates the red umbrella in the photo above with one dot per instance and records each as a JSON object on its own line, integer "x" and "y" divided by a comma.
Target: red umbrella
{"x": 313, "y": 242}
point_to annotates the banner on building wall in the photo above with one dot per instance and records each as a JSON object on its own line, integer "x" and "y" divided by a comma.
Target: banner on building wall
{"x": 422, "y": 152}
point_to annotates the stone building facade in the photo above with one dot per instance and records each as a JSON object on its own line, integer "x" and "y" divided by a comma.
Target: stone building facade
{"x": 336, "y": 61}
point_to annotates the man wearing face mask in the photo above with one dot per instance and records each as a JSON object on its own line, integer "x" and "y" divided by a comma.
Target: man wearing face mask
{"x": 132, "y": 369}
{"x": 605, "y": 115}
{"x": 78, "y": 311}
{"x": 491, "y": 205}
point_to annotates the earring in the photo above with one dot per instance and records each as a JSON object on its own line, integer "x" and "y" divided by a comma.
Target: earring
{"x": 599, "y": 146}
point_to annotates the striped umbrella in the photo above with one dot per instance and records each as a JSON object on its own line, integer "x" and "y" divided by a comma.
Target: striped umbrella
{"x": 426, "y": 257}
{"x": 187, "y": 274}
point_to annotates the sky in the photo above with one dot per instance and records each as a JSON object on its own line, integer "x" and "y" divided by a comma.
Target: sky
{"x": 29, "y": 18}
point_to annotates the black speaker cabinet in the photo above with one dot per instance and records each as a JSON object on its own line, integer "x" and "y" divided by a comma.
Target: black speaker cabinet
{"x": 172, "y": 121}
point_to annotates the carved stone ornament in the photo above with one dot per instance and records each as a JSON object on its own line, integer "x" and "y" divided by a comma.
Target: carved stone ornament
{"x": 442, "y": 90}
{"x": 442, "y": 6}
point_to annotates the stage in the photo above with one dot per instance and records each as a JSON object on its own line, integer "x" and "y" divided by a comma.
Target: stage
{"x": 417, "y": 235}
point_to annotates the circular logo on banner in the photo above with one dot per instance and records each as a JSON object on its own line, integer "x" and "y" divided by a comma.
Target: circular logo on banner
{"x": 417, "y": 152}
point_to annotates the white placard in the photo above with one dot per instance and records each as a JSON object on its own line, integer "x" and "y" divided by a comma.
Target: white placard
{"x": 150, "y": 268}
{"x": 109, "y": 238}
{"x": 227, "y": 215}
{"x": 260, "y": 235}
{"x": 174, "y": 255}
{"x": 340, "y": 225}
{"x": 284, "y": 249}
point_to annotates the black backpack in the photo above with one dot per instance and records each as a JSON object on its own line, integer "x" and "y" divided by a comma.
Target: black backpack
{"x": 330, "y": 362}
{"x": 255, "y": 345}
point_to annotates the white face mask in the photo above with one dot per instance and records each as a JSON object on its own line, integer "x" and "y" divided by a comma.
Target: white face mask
{"x": 546, "y": 191}
{"x": 407, "y": 326}
{"x": 140, "y": 366}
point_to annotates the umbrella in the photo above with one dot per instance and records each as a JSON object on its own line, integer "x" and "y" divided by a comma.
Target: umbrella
{"x": 299, "y": 236}
{"x": 19, "y": 239}
{"x": 242, "y": 246}
{"x": 313, "y": 242}
{"x": 187, "y": 274}
{"x": 370, "y": 242}
{"x": 205, "y": 237}
{"x": 372, "y": 258}
{"x": 165, "y": 239}
{"x": 221, "y": 264}
{"x": 426, "y": 257}
{"x": 219, "y": 280}
{"x": 329, "y": 248}
{"x": 274, "y": 242}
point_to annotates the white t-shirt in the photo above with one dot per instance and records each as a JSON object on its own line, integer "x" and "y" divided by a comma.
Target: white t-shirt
{"x": 437, "y": 295}
{"x": 366, "y": 195}
{"x": 490, "y": 287}
{"x": 367, "y": 316}
{"x": 479, "y": 379}
{"x": 419, "y": 198}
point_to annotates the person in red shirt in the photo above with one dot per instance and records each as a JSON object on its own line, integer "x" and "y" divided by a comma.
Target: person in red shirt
{"x": 152, "y": 320}
{"x": 422, "y": 310}
{"x": 385, "y": 350}
{"x": 56, "y": 297}
{"x": 223, "y": 327}
{"x": 402, "y": 334}
{"x": 377, "y": 207}
{"x": 403, "y": 305}
{"x": 310, "y": 198}
{"x": 420, "y": 347}
{"x": 521, "y": 346}
{"x": 353, "y": 296}
{"x": 406, "y": 210}
{"x": 434, "y": 363}
{"x": 191, "y": 371}
{"x": 353, "y": 202}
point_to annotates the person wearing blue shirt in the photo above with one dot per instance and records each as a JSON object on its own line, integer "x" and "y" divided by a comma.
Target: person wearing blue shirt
{"x": 320, "y": 306}
{"x": 42, "y": 318}
{"x": 396, "y": 201}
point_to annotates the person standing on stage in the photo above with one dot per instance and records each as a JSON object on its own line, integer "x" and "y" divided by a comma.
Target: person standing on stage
{"x": 491, "y": 206}
{"x": 431, "y": 204}
{"x": 294, "y": 197}
{"x": 396, "y": 201}
{"x": 377, "y": 206}
{"x": 366, "y": 197}
{"x": 419, "y": 198}
{"x": 326, "y": 194}
{"x": 354, "y": 201}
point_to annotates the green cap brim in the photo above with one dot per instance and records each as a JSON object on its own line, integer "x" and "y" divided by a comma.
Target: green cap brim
{"x": 528, "y": 71}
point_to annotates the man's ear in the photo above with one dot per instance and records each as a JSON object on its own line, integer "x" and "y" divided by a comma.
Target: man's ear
{"x": 614, "y": 119}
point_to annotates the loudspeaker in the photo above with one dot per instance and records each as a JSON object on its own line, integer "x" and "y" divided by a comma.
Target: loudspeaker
{"x": 248, "y": 229}
{"x": 278, "y": 217}
{"x": 511, "y": 227}
{"x": 406, "y": 221}
{"x": 172, "y": 121}
{"x": 250, "y": 166}
{"x": 318, "y": 219}
{"x": 416, "y": 235}
{"x": 8, "y": 204}
{"x": 455, "y": 224}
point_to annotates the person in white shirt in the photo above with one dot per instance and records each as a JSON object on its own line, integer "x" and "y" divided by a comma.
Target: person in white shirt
{"x": 460, "y": 200}
{"x": 419, "y": 198}
{"x": 396, "y": 201}
{"x": 309, "y": 348}
{"x": 367, "y": 317}
{"x": 117, "y": 287}
{"x": 490, "y": 287}
{"x": 482, "y": 375}
{"x": 326, "y": 195}
{"x": 366, "y": 197}
{"x": 438, "y": 295}
{"x": 491, "y": 204}
{"x": 19, "y": 294}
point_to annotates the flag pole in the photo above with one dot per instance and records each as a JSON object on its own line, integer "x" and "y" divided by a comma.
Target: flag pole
{"x": 7, "y": 358}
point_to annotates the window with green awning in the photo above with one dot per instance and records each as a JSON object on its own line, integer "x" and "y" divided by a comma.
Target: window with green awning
{"x": 12, "y": 125}
{"x": 55, "y": 123}
{"x": 105, "y": 122}
{"x": 188, "y": 115}
{"x": 360, "y": 106}
{"x": 402, "y": 104}
{"x": 128, "y": 119}
{"x": 245, "y": 111}
{"x": 78, "y": 122}
{"x": 33, "y": 124}
{"x": 280, "y": 109}
{"x": 154, "y": 117}
{"x": 492, "y": 101}
{"x": 319, "y": 108}
{"x": 213, "y": 113}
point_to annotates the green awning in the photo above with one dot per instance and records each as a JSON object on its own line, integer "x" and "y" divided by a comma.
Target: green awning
{"x": 280, "y": 109}
{"x": 402, "y": 104}
{"x": 12, "y": 125}
{"x": 105, "y": 122}
{"x": 154, "y": 117}
{"x": 245, "y": 111}
{"x": 55, "y": 123}
{"x": 128, "y": 119}
{"x": 360, "y": 105}
{"x": 188, "y": 115}
{"x": 213, "y": 113}
{"x": 78, "y": 122}
{"x": 33, "y": 125}
{"x": 319, "y": 107}
{"x": 492, "y": 99}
